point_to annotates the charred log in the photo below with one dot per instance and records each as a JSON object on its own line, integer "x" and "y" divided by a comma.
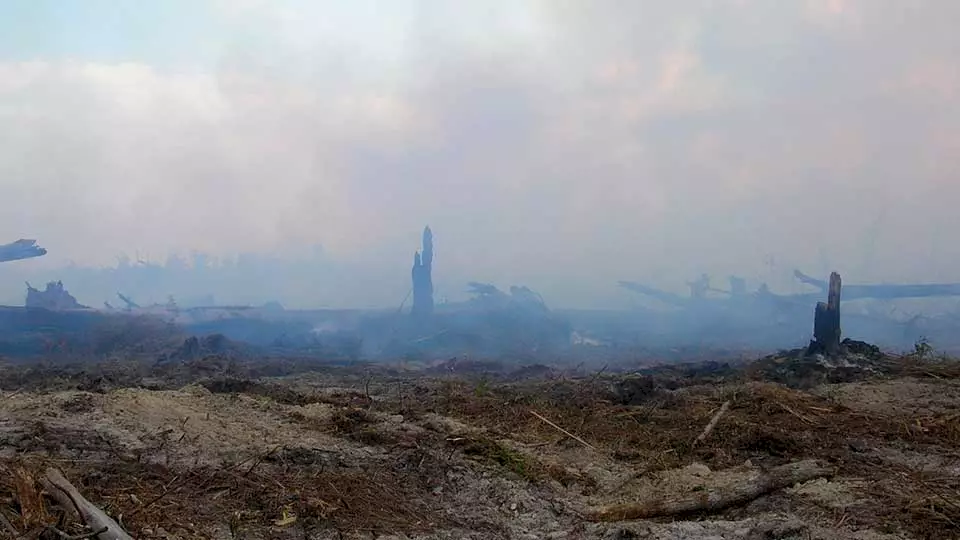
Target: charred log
{"x": 128, "y": 302}
{"x": 741, "y": 489}
{"x": 21, "y": 249}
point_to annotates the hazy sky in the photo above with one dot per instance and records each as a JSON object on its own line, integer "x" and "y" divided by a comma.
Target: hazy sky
{"x": 560, "y": 143}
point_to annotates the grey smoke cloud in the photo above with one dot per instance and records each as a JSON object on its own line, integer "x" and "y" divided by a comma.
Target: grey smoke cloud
{"x": 561, "y": 144}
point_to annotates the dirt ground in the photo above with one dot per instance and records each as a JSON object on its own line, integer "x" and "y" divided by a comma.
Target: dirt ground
{"x": 452, "y": 452}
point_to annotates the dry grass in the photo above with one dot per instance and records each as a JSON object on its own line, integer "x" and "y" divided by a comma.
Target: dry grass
{"x": 767, "y": 421}
{"x": 941, "y": 368}
{"x": 925, "y": 503}
{"x": 255, "y": 493}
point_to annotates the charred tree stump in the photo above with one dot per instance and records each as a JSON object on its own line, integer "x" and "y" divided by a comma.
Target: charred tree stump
{"x": 422, "y": 275}
{"x": 826, "y": 321}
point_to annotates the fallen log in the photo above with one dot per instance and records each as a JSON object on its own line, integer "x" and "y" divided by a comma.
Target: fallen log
{"x": 64, "y": 493}
{"x": 885, "y": 292}
{"x": 21, "y": 249}
{"x": 743, "y": 488}
{"x": 663, "y": 296}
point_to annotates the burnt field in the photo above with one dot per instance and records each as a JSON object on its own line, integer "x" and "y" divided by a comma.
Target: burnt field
{"x": 229, "y": 445}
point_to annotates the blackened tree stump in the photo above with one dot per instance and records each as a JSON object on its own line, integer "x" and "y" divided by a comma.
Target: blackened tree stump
{"x": 826, "y": 321}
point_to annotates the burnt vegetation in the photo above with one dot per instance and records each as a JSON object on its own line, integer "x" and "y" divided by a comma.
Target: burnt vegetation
{"x": 495, "y": 417}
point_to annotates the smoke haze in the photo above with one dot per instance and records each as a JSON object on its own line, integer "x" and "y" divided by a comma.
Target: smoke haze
{"x": 560, "y": 144}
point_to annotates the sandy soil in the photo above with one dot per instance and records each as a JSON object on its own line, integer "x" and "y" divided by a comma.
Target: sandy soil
{"x": 437, "y": 457}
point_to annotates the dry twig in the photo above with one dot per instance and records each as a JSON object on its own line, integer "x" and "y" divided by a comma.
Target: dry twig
{"x": 561, "y": 430}
{"x": 9, "y": 526}
{"x": 11, "y": 395}
{"x": 802, "y": 418}
{"x": 84, "y": 536}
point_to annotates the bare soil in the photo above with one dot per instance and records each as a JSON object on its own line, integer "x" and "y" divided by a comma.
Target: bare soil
{"x": 450, "y": 452}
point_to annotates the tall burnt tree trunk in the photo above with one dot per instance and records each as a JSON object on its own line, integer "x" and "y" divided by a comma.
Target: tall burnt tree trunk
{"x": 826, "y": 321}
{"x": 422, "y": 275}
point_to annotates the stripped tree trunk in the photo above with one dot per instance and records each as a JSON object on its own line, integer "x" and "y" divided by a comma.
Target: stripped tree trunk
{"x": 64, "y": 493}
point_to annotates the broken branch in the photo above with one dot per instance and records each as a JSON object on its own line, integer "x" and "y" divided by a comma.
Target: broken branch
{"x": 795, "y": 413}
{"x": 67, "y": 495}
{"x": 713, "y": 423}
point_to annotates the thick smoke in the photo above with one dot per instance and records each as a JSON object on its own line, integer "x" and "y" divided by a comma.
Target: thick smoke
{"x": 564, "y": 145}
